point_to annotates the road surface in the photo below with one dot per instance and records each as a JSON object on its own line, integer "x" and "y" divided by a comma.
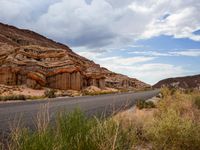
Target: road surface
{"x": 26, "y": 112}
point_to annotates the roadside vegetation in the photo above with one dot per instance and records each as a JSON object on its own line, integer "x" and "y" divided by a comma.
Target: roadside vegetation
{"x": 171, "y": 123}
{"x": 19, "y": 97}
{"x": 141, "y": 104}
{"x": 50, "y": 93}
{"x": 98, "y": 93}
{"x": 12, "y": 97}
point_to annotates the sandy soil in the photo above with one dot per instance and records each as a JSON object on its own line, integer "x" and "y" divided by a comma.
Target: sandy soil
{"x": 20, "y": 90}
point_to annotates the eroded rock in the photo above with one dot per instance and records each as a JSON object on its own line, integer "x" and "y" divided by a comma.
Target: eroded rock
{"x": 27, "y": 58}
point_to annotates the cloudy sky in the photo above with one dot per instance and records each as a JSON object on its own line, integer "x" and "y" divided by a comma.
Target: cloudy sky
{"x": 146, "y": 39}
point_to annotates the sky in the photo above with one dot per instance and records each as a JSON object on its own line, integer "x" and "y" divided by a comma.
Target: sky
{"x": 145, "y": 39}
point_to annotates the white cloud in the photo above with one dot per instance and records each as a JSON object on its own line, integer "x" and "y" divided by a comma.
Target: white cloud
{"x": 150, "y": 53}
{"x": 153, "y": 72}
{"x": 148, "y": 72}
{"x": 104, "y": 23}
{"x": 104, "y": 60}
{"x": 138, "y": 67}
{"x": 192, "y": 53}
{"x": 180, "y": 23}
{"x": 189, "y": 53}
{"x": 124, "y": 61}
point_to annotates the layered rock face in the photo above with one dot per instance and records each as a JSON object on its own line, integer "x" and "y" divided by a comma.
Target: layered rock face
{"x": 27, "y": 58}
{"x": 188, "y": 82}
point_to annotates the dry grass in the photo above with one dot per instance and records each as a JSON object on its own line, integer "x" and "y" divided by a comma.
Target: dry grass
{"x": 138, "y": 116}
{"x": 173, "y": 124}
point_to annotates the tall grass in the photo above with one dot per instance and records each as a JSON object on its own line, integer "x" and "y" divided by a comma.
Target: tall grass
{"x": 74, "y": 131}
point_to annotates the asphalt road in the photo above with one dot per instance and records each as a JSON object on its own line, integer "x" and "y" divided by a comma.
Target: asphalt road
{"x": 26, "y": 112}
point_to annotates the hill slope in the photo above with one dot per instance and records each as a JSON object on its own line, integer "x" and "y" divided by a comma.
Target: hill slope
{"x": 180, "y": 82}
{"x": 36, "y": 61}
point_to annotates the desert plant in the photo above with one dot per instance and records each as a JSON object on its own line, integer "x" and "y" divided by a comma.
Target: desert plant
{"x": 75, "y": 131}
{"x": 110, "y": 134}
{"x": 12, "y": 97}
{"x": 35, "y": 97}
{"x": 71, "y": 131}
{"x": 165, "y": 92}
{"x": 144, "y": 104}
{"x": 50, "y": 93}
{"x": 189, "y": 91}
{"x": 170, "y": 131}
{"x": 98, "y": 93}
{"x": 197, "y": 102}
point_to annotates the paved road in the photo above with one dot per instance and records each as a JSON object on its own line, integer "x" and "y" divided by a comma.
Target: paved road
{"x": 11, "y": 113}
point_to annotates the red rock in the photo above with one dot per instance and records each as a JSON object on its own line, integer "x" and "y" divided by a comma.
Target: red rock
{"x": 29, "y": 58}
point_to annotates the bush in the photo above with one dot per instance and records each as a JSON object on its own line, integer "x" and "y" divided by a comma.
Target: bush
{"x": 98, "y": 93}
{"x": 50, "y": 93}
{"x": 189, "y": 91}
{"x": 35, "y": 97}
{"x": 144, "y": 104}
{"x": 171, "y": 131}
{"x": 173, "y": 91}
{"x": 75, "y": 131}
{"x": 165, "y": 92}
{"x": 197, "y": 102}
{"x": 110, "y": 134}
{"x": 12, "y": 97}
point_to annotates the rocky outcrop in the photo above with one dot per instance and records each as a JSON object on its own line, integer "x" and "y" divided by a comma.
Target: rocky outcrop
{"x": 27, "y": 58}
{"x": 188, "y": 82}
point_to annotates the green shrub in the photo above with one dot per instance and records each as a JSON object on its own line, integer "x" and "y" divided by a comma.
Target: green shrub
{"x": 35, "y": 97}
{"x": 98, "y": 93}
{"x": 12, "y": 97}
{"x": 144, "y": 104}
{"x": 50, "y": 93}
{"x": 74, "y": 131}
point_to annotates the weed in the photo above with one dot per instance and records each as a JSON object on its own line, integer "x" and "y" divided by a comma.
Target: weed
{"x": 12, "y": 97}
{"x": 171, "y": 131}
{"x": 50, "y": 93}
{"x": 144, "y": 104}
{"x": 197, "y": 102}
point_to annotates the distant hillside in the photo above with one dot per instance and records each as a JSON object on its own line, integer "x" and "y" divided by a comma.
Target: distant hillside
{"x": 180, "y": 82}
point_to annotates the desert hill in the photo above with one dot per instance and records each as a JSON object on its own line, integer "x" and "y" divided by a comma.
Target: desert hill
{"x": 188, "y": 82}
{"x": 27, "y": 58}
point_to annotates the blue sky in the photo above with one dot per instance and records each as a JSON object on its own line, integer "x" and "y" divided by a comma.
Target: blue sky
{"x": 149, "y": 40}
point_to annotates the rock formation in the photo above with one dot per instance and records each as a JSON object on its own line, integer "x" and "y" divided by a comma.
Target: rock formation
{"x": 27, "y": 58}
{"x": 188, "y": 82}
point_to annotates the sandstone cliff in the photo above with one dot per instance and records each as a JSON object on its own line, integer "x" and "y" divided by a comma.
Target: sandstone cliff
{"x": 27, "y": 58}
{"x": 188, "y": 82}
